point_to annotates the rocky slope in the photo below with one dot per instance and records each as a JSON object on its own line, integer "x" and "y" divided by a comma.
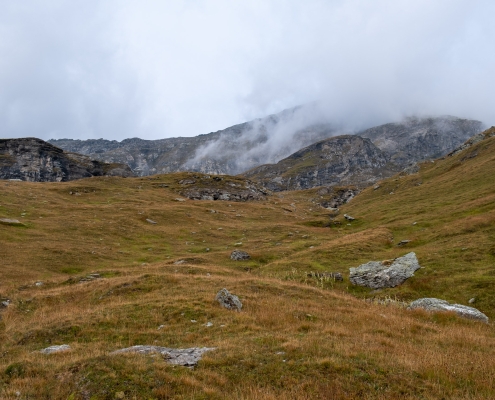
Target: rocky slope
{"x": 416, "y": 139}
{"x": 31, "y": 159}
{"x": 367, "y": 157}
{"x": 341, "y": 160}
{"x": 229, "y": 151}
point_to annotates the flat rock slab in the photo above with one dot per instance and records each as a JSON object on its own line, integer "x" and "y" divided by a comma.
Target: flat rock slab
{"x": 55, "y": 349}
{"x": 8, "y": 221}
{"x": 186, "y": 357}
{"x": 381, "y": 274}
{"x": 432, "y": 304}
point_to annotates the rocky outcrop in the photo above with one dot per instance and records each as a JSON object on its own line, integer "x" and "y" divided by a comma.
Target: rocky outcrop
{"x": 432, "y": 304}
{"x": 34, "y": 160}
{"x": 384, "y": 274}
{"x": 186, "y": 357}
{"x": 228, "y": 300}
{"x": 341, "y": 160}
{"x": 206, "y": 187}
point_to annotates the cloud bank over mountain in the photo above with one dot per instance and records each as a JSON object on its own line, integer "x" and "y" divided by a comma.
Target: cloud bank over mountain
{"x": 152, "y": 69}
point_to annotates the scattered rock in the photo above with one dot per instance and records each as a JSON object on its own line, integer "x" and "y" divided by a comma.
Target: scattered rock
{"x": 348, "y": 217}
{"x": 150, "y": 221}
{"x": 8, "y": 221}
{"x": 410, "y": 170}
{"x": 161, "y": 327}
{"x": 208, "y": 324}
{"x": 377, "y": 186}
{"x": 337, "y": 276}
{"x": 180, "y": 199}
{"x": 238, "y": 255}
{"x": 472, "y": 300}
{"x": 228, "y": 300}
{"x": 432, "y": 304}
{"x": 186, "y": 357}
{"x": 38, "y": 284}
{"x": 5, "y": 303}
{"x": 87, "y": 278}
{"x": 55, "y": 349}
{"x": 378, "y": 275}
{"x": 403, "y": 242}
{"x": 179, "y": 262}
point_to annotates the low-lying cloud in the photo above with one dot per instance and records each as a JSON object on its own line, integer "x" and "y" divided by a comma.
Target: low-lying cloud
{"x": 153, "y": 69}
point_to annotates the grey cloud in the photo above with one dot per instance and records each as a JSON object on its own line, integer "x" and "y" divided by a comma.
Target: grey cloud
{"x": 154, "y": 69}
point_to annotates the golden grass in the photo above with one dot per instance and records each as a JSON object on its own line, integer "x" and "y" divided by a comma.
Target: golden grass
{"x": 297, "y": 337}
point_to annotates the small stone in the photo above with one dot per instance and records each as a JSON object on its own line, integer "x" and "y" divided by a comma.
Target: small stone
{"x": 376, "y": 187}
{"x": 208, "y": 324}
{"x": 150, "y": 221}
{"x": 193, "y": 321}
{"x": 38, "y": 284}
{"x": 472, "y": 300}
{"x": 403, "y": 242}
{"x": 228, "y": 300}
{"x": 120, "y": 395}
{"x": 238, "y": 255}
{"x": 179, "y": 199}
{"x": 349, "y": 218}
{"x": 161, "y": 327}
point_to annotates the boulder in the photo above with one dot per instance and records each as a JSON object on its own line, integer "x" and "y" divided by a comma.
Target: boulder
{"x": 384, "y": 274}
{"x": 55, "y": 349}
{"x": 432, "y": 304}
{"x": 238, "y": 255}
{"x": 228, "y": 300}
{"x": 10, "y": 221}
{"x": 186, "y": 357}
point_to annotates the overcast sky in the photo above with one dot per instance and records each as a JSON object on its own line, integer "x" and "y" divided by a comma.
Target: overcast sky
{"x": 159, "y": 68}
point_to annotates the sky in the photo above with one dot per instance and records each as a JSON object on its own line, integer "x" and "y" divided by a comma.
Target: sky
{"x": 153, "y": 69}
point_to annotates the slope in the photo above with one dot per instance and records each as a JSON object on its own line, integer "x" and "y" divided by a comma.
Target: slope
{"x": 297, "y": 337}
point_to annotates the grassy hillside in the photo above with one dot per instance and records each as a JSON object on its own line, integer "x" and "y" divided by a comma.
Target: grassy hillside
{"x": 297, "y": 337}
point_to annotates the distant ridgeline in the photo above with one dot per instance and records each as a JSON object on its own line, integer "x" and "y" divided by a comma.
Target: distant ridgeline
{"x": 313, "y": 156}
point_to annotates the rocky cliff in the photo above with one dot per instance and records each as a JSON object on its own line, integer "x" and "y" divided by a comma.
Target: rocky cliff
{"x": 35, "y": 160}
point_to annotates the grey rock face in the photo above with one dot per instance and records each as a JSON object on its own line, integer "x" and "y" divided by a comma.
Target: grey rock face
{"x": 416, "y": 139}
{"x": 378, "y": 275}
{"x": 31, "y": 159}
{"x": 228, "y": 300}
{"x": 186, "y": 357}
{"x": 55, "y": 349}
{"x": 432, "y": 304}
{"x": 340, "y": 160}
{"x": 239, "y": 255}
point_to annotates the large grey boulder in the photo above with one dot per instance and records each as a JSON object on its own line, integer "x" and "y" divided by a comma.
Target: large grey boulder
{"x": 228, "y": 300}
{"x": 383, "y": 274}
{"x": 432, "y": 304}
{"x": 186, "y": 357}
